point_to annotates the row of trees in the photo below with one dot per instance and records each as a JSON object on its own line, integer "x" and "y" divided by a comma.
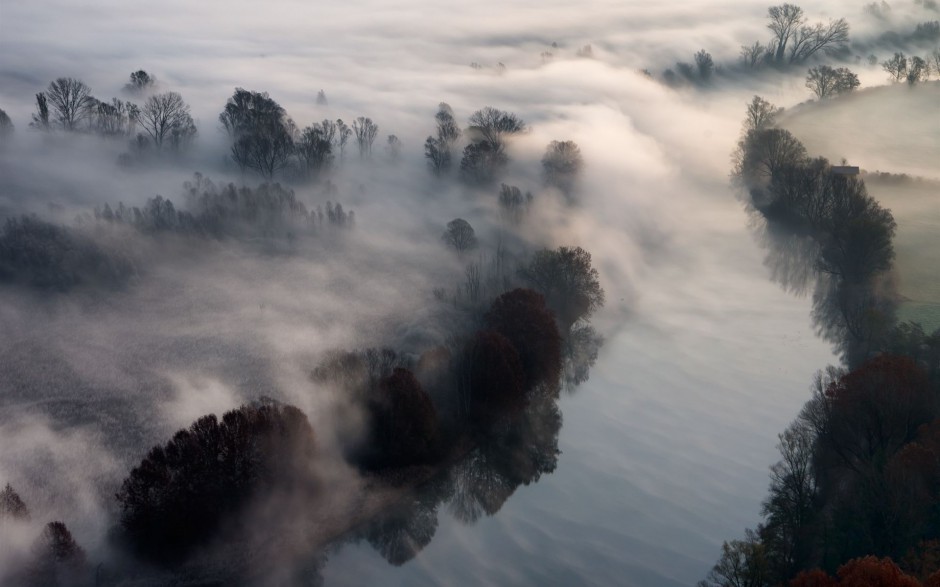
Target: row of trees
{"x": 68, "y": 105}
{"x": 913, "y": 70}
{"x": 858, "y": 475}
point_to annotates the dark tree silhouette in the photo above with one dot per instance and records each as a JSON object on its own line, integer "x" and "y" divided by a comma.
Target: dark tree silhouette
{"x": 481, "y": 162}
{"x": 71, "y": 102}
{"x": 140, "y": 82}
{"x": 181, "y": 493}
{"x": 460, "y": 235}
{"x": 117, "y": 118}
{"x": 57, "y": 559}
{"x": 11, "y": 506}
{"x": 794, "y": 41}
{"x": 365, "y": 131}
{"x": 260, "y": 131}
{"x": 403, "y": 426}
{"x": 492, "y": 379}
{"x": 522, "y": 316}
{"x": 761, "y": 114}
{"x": 512, "y": 204}
{"x": 705, "y": 65}
{"x": 315, "y": 147}
{"x": 494, "y": 126}
{"x": 896, "y": 67}
{"x": 437, "y": 155}
{"x": 448, "y": 131}
{"x": 826, "y": 81}
{"x": 166, "y": 120}
{"x": 6, "y": 125}
{"x": 567, "y": 280}
{"x": 41, "y": 117}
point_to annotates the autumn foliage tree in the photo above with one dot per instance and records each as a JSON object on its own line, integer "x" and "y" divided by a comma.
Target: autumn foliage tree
{"x": 181, "y": 493}
{"x": 403, "y": 427}
{"x": 523, "y": 317}
{"x": 492, "y": 380}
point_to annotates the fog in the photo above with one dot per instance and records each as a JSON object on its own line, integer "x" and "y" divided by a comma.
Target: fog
{"x": 664, "y": 450}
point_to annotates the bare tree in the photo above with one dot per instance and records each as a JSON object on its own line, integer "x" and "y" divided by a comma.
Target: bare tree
{"x": 71, "y": 101}
{"x": 753, "y": 55}
{"x": 262, "y": 133}
{"x": 119, "y": 118}
{"x": 761, "y": 114}
{"x": 166, "y": 119}
{"x": 366, "y": 131}
{"x": 794, "y": 41}
{"x": 321, "y": 98}
{"x": 342, "y": 136}
{"x": 315, "y": 147}
{"x": 41, "y": 117}
{"x": 896, "y": 67}
{"x": 513, "y": 204}
{"x": 460, "y": 235}
{"x": 826, "y": 81}
{"x": 493, "y": 125}
{"x": 447, "y": 129}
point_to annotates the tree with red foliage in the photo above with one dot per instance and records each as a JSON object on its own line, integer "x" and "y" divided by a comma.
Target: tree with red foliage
{"x": 876, "y": 409}
{"x": 871, "y": 571}
{"x": 492, "y": 380}
{"x": 813, "y": 578}
{"x": 404, "y": 426}
{"x": 180, "y": 493}
{"x": 523, "y": 318}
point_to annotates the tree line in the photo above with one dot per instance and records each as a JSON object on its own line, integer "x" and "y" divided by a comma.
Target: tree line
{"x": 855, "y": 497}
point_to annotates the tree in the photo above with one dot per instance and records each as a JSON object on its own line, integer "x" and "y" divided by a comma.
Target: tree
{"x": 567, "y": 280}
{"x": 118, "y": 118}
{"x": 180, "y": 493}
{"x": 460, "y": 235}
{"x": 480, "y": 163}
{"x": 321, "y": 98}
{"x": 41, "y": 117}
{"x": 57, "y": 559}
{"x": 492, "y": 381}
{"x": 11, "y": 506}
{"x": 365, "y": 131}
{"x": 6, "y": 125}
{"x": 794, "y": 41}
{"x": 166, "y": 120}
{"x": 140, "y": 82}
{"x": 871, "y": 571}
{"x": 764, "y": 152}
{"x": 393, "y": 147}
{"x": 826, "y": 81}
{"x": 343, "y": 133}
{"x": 493, "y": 126}
{"x": 71, "y": 101}
{"x": 761, "y": 114}
{"x": 512, "y": 203}
{"x": 437, "y": 155}
{"x": 562, "y": 164}
{"x": 522, "y": 316}
{"x": 918, "y": 71}
{"x": 704, "y": 64}
{"x": 260, "y": 130}
{"x": 743, "y": 563}
{"x": 789, "y": 508}
{"x": 403, "y": 423}
{"x": 752, "y": 56}
{"x": 447, "y": 129}
{"x": 315, "y": 147}
{"x": 896, "y": 67}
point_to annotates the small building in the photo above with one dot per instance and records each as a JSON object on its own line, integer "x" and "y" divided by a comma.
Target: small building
{"x": 845, "y": 170}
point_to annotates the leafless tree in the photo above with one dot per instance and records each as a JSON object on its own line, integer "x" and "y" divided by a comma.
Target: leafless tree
{"x": 71, "y": 100}
{"x": 493, "y": 125}
{"x": 315, "y": 147}
{"x": 366, "y": 131}
{"x": 827, "y": 81}
{"x": 761, "y": 114}
{"x": 343, "y": 133}
{"x": 6, "y": 125}
{"x": 753, "y": 55}
{"x": 438, "y": 157}
{"x": 896, "y": 67}
{"x": 794, "y": 41}
{"x": 166, "y": 117}
{"x": 918, "y": 70}
{"x": 561, "y": 165}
